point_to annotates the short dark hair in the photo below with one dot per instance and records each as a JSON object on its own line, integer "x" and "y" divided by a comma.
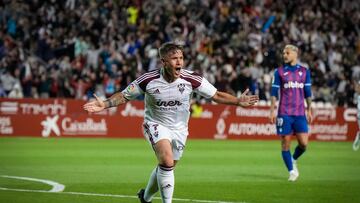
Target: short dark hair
{"x": 169, "y": 47}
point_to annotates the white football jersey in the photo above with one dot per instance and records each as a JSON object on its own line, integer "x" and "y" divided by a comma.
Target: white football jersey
{"x": 169, "y": 103}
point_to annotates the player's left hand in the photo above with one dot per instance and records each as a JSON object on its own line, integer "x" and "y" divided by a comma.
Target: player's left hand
{"x": 246, "y": 100}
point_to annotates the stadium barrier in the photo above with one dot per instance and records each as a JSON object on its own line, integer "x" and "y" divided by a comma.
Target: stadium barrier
{"x": 66, "y": 118}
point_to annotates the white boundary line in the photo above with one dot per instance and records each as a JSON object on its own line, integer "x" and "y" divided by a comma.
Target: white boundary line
{"x": 58, "y": 189}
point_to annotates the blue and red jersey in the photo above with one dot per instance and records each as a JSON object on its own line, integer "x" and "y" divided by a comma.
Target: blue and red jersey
{"x": 294, "y": 84}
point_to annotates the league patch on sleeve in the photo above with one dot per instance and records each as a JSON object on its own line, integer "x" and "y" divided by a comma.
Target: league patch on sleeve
{"x": 130, "y": 88}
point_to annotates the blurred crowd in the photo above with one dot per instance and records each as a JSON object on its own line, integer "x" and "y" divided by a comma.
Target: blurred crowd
{"x": 74, "y": 48}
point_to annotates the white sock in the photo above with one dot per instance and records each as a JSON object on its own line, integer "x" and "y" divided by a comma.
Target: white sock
{"x": 166, "y": 182}
{"x": 152, "y": 186}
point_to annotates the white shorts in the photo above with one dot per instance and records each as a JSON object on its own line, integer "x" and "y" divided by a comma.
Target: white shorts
{"x": 154, "y": 132}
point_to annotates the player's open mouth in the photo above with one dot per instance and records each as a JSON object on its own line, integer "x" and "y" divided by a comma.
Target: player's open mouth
{"x": 177, "y": 70}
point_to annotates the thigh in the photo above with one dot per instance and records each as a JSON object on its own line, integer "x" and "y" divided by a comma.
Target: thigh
{"x": 300, "y": 125}
{"x": 160, "y": 139}
{"x": 303, "y": 139}
{"x": 284, "y": 125}
{"x": 163, "y": 151}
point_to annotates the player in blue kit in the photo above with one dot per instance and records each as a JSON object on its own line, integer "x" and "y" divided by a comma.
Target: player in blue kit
{"x": 293, "y": 81}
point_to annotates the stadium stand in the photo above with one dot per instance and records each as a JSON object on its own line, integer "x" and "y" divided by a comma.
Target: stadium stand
{"x": 74, "y": 48}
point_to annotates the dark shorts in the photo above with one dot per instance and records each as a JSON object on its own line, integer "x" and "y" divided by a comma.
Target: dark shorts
{"x": 288, "y": 125}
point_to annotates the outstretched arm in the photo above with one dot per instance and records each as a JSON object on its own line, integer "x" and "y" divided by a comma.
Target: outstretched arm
{"x": 99, "y": 105}
{"x": 244, "y": 100}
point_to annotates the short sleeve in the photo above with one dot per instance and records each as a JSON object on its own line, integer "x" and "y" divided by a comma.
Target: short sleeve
{"x": 206, "y": 89}
{"x": 275, "y": 84}
{"x": 132, "y": 91}
{"x": 307, "y": 86}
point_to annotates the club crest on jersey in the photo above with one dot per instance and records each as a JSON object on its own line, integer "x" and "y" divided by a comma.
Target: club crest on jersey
{"x": 300, "y": 73}
{"x": 181, "y": 87}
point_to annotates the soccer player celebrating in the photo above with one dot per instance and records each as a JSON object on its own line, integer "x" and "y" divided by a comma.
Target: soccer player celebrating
{"x": 294, "y": 83}
{"x": 168, "y": 93}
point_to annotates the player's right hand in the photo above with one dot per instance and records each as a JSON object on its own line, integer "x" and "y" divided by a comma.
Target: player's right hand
{"x": 272, "y": 117}
{"x": 94, "y": 106}
{"x": 247, "y": 100}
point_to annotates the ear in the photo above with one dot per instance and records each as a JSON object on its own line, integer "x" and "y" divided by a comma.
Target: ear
{"x": 163, "y": 61}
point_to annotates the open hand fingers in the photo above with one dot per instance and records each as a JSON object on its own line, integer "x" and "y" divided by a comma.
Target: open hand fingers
{"x": 254, "y": 98}
{"x": 245, "y": 92}
{"x": 90, "y": 107}
{"x": 97, "y": 98}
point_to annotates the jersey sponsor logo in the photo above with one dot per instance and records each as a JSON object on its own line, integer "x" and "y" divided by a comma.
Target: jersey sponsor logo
{"x": 292, "y": 84}
{"x": 168, "y": 103}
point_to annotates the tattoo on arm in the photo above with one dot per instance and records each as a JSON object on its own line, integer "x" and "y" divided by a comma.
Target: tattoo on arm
{"x": 115, "y": 100}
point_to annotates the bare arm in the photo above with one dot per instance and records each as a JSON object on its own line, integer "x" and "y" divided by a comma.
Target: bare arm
{"x": 244, "y": 100}
{"x": 99, "y": 105}
{"x": 308, "y": 110}
{"x": 115, "y": 100}
{"x": 272, "y": 109}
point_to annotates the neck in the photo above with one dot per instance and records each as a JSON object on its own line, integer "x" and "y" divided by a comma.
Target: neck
{"x": 293, "y": 63}
{"x": 167, "y": 76}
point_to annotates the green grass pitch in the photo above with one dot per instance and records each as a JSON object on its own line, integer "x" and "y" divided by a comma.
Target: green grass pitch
{"x": 210, "y": 170}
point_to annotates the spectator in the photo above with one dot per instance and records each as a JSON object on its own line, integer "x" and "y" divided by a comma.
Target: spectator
{"x": 16, "y": 92}
{"x": 77, "y": 37}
